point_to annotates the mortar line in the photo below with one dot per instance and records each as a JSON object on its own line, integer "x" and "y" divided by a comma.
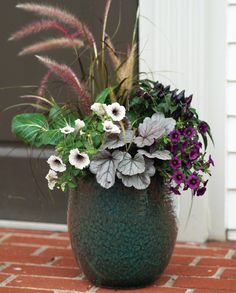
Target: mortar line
{"x": 218, "y": 273}
{"x": 171, "y": 281}
{"x": 4, "y": 265}
{"x": 8, "y": 280}
{"x": 195, "y": 261}
{"x": 230, "y": 253}
{"x": 92, "y": 290}
{"x": 5, "y": 237}
{"x": 39, "y": 250}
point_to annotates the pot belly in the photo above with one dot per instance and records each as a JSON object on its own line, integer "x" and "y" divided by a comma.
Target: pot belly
{"x": 122, "y": 238}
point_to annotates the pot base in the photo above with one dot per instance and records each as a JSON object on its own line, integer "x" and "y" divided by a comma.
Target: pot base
{"x": 122, "y": 287}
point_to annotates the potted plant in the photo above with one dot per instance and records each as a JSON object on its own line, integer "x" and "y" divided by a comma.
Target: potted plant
{"x": 123, "y": 149}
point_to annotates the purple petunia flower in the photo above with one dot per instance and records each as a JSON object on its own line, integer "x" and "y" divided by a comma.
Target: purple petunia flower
{"x": 173, "y": 149}
{"x": 203, "y": 127}
{"x": 189, "y": 132}
{"x": 210, "y": 161}
{"x": 178, "y": 177}
{"x": 175, "y": 190}
{"x": 201, "y": 191}
{"x": 194, "y": 154}
{"x": 175, "y": 136}
{"x": 184, "y": 146}
{"x": 175, "y": 163}
{"x": 185, "y": 187}
{"x": 197, "y": 144}
{"x": 188, "y": 165}
{"x": 193, "y": 181}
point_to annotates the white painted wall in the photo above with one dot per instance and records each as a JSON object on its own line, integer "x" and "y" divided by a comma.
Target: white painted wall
{"x": 231, "y": 121}
{"x": 182, "y": 43}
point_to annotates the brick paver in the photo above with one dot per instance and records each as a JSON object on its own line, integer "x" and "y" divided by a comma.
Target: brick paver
{"x": 42, "y": 261}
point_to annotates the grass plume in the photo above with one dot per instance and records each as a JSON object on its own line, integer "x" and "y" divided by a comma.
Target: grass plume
{"x": 127, "y": 71}
{"x": 38, "y": 26}
{"x": 60, "y": 15}
{"x": 50, "y": 44}
{"x": 68, "y": 75}
{"x": 44, "y": 84}
{"x": 112, "y": 53}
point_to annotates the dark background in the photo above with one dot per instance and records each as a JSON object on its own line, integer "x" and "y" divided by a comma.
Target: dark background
{"x": 23, "y": 189}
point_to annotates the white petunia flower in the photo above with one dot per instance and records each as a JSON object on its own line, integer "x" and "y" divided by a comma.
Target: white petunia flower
{"x": 56, "y": 164}
{"x": 109, "y": 126}
{"x": 52, "y": 179}
{"x": 79, "y": 124}
{"x": 99, "y": 109}
{"x": 78, "y": 159}
{"x": 66, "y": 130}
{"x": 116, "y": 111}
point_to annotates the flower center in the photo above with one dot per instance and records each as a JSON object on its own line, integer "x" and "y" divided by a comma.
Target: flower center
{"x": 79, "y": 157}
{"x": 115, "y": 112}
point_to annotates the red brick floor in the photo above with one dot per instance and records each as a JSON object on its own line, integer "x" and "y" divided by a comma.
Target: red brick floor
{"x": 42, "y": 261}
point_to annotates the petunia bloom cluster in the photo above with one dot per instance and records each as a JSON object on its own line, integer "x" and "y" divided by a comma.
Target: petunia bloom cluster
{"x": 189, "y": 164}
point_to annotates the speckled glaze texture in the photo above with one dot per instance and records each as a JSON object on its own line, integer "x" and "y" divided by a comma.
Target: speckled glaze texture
{"x": 121, "y": 237}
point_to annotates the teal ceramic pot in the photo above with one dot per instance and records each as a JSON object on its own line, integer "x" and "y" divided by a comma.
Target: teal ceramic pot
{"x": 121, "y": 237}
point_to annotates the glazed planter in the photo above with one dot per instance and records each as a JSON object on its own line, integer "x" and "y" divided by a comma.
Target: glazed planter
{"x": 121, "y": 237}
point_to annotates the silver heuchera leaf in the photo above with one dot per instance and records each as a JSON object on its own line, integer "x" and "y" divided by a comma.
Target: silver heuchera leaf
{"x": 158, "y": 117}
{"x": 139, "y": 181}
{"x": 149, "y": 130}
{"x": 115, "y": 141}
{"x": 161, "y": 155}
{"x": 104, "y": 165}
{"x": 153, "y": 128}
{"x": 169, "y": 124}
{"x": 131, "y": 166}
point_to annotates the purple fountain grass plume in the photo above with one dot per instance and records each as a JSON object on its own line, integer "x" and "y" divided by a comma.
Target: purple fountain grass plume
{"x": 68, "y": 75}
{"x": 37, "y": 27}
{"x": 59, "y": 14}
{"x": 44, "y": 84}
{"x": 49, "y": 44}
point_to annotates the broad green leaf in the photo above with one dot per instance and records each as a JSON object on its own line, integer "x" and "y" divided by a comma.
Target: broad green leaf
{"x": 135, "y": 101}
{"x": 61, "y": 117}
{"x": 51, "y": 137}
{"x": 132, "y": 116}
{"x": 28, "y": 127}
{"x": 101, "y": 98}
